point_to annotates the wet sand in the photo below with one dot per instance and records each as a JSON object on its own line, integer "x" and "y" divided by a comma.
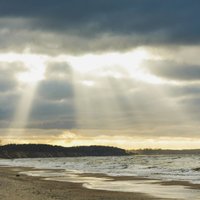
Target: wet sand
{"x": 21, "y": 187}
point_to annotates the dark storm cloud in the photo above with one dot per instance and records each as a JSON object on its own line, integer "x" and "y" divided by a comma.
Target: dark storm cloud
{"x": 54, "y": 105}
{"x": 174, "y": 71}
{"x": 47, "y": 114}
{"x": 183, "y": 91}
{"x": 55, "y": 89}
{"x": 8, "y": 104}
{"x": 158, "y": 21}
{"x": 51, "y": 111}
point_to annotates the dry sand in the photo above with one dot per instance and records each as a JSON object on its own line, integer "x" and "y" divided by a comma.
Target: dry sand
{"x": 15, "y": 187}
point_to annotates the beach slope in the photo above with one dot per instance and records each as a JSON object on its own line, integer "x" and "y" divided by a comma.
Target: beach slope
{"x": 22, "y": 187}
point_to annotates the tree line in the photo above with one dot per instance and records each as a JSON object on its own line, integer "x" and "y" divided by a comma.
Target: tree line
{"x": 44, "y": 150}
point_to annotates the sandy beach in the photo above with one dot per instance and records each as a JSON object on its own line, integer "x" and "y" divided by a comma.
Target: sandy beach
{"x": 22, "y": 187}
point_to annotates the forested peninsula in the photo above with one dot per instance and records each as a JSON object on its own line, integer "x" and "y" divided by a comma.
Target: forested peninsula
{"x": 46, "y": 151}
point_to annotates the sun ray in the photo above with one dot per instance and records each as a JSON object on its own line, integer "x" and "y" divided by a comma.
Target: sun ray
{"x": 97, "y": 112}
{"x": 28, "y": 83}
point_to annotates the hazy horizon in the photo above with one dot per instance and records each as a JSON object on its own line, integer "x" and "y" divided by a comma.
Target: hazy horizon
{"x": 122, "y": 73}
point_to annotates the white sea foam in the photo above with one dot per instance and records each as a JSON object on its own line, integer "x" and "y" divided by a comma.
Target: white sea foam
{"x": 167, "y": 167}
{"x": 153, "y": 188}
{"x": 150, "y": 187}
{"x": 160, "y": 167}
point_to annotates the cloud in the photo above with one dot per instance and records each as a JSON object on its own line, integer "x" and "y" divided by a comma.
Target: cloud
{"x": 9, "y": 91}
{"x": 174, "y": 71}
{"x": 6, "y": 84}
{"x": 183, "y": 91}
{"x": 8, "y": 73}
{"x": 8, "y": 103}
{"x": 55, "y": 90}
{"x": 59, "y": 70}
{"x": 78, "y": 26}
{"x": 107, "y": 104}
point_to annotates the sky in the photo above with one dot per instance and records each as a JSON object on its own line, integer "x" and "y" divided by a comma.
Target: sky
{"x": 122, "y": 73}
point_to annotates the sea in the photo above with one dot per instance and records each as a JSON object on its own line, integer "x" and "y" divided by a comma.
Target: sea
{"x": 154, "y": 168}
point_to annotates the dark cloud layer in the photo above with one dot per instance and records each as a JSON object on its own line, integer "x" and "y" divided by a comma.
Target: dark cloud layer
{"x": 173, "y": 21}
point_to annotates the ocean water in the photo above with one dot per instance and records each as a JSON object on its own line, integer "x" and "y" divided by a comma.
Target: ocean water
{"x": 157, "y": 168}
{"x": 162, "y": 167}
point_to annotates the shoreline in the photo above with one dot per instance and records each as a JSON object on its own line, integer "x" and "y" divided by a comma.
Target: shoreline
{"x": 36, "y": 187}
{"x": 22, "y": 187}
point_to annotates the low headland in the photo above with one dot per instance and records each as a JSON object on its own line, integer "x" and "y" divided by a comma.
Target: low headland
{"x": 47, "y": 151}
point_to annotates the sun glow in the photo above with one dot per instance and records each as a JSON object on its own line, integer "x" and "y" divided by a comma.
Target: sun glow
{"x": 35, "y": 70}
{"x": 33, "y": 74}
{"x": 130, "y": 63}
{"x": 34, "y": 66}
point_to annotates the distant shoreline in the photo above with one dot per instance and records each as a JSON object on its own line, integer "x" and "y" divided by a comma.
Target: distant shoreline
{"x": 47, "y": 151}
{"x": 164, "y": 151}
{"x": 13, "y": 151}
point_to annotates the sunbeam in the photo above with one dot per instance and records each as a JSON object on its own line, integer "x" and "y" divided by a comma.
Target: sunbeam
{"x": 100, "y": 93}
{"x": 22, "y": 111}
{"x": 28, "y": 80}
